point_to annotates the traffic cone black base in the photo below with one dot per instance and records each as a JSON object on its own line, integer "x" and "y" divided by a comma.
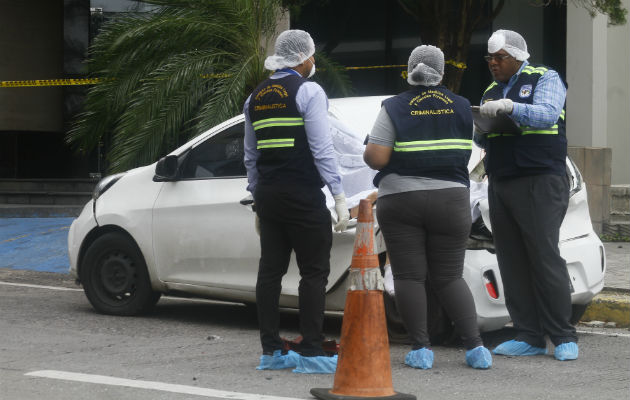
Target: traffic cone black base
{"x": 325, "y": 394}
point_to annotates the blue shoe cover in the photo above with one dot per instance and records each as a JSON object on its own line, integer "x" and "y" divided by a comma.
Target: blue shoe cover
{"x": 479, "y": 358}
{"x": 316, "y": 365}
{"x": 279, "y": 360}
{"x": 421, "y": 358}
{"x": 516, "y": 348}
{"x": 566, "y": 351}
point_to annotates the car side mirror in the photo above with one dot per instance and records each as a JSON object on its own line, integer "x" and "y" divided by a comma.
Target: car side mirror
{"x": 166, "y": 169}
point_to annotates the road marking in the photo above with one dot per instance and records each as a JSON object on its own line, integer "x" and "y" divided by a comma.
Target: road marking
{"x": 63, "y": 228}
{"x": 193, "y": 299}
{"x": 138, "y": 384}
{"x": 613, "y": 334}
{"x": 40, "y": 286}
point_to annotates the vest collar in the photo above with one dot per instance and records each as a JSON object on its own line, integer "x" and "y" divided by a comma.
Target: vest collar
{"x": 284, "y": 72}
{"x": 505, "y": 87}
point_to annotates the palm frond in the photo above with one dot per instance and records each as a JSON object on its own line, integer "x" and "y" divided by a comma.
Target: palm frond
{"x": 171, "y": 74}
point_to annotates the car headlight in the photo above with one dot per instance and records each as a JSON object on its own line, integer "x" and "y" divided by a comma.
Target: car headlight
{"x": 104, "y": 184}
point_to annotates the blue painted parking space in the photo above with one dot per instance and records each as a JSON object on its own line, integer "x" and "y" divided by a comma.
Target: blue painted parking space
{"x": 38, "y": 244}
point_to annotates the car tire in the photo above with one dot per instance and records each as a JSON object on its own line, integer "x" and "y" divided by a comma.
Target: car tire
{"x": 115, "y": 278}
{"x": 440, "y": 328}
{"x": 577, "y": 311}
{"x": 396, "y": 330}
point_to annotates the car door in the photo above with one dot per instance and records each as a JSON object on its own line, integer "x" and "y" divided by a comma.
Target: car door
{"x": 202, "y": 234}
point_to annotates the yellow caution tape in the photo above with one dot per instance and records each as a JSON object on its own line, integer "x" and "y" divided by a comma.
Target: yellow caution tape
{"x": 50, "y": 82}
{"x": 376, "y": 67}
{"x": 93, "y": 81}
{"x": 457, "y": 64}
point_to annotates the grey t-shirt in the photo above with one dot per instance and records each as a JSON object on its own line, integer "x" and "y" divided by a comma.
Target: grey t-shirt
{"x": 384, "y": 134}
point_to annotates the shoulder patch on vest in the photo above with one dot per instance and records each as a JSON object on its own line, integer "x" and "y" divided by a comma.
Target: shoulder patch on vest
{"x": 526, "y": 91}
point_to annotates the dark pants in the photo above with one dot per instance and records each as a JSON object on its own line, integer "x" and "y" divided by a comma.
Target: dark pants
{"x": 293, "y": 219}
{"x": 425, "y": 232}
{"x": 526, "y": 214}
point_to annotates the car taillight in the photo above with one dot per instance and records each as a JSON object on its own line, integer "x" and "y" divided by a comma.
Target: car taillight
{"x": 491, "y": 284}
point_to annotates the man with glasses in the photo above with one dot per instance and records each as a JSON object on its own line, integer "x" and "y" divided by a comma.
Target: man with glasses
{"x": 528, "y": 194}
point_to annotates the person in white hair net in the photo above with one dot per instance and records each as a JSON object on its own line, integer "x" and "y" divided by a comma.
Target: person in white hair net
{"x": 528, "y": 193}
{"x": 420, "y": 144}
{"x": 289, "y": 157}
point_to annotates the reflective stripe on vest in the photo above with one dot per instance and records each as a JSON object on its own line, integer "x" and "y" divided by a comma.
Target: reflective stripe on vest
{"x": 534, "y": 70}
{"x": 275, "y": 143}
{"x": 269, "y": 122}
{"x": 527, "y": 130}
{"x": 443, "y": 144}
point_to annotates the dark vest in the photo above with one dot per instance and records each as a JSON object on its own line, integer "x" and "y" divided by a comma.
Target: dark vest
{"x": 285, "y": 156}
{"x": 536, "y": 150}
{"x": 433, "y": 134}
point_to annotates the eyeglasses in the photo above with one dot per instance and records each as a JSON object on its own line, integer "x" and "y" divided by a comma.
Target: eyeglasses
{"x": 497, "y": 57}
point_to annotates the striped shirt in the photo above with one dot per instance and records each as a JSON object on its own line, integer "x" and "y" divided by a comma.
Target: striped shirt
{"x": 548, "y": 102}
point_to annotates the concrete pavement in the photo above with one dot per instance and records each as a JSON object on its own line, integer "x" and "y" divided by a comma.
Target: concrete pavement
{"x": 40, "y": 244}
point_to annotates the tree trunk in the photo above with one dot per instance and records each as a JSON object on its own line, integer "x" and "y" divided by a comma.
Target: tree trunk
{"x": 449, "y": 24}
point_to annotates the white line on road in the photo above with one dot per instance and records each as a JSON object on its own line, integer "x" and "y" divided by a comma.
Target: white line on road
{"x": 194, "y": 299}
{"x": 604, "y": 333}
{"x": 138, "y": 384}
{"x": 40, "y": 286}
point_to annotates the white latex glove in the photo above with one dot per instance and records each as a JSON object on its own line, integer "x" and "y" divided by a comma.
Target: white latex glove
{"x": 342, "y": 212}
{"x": 492, "y": 108}
{"x": 257, "y": 224}
{"x": 389, "y": 279}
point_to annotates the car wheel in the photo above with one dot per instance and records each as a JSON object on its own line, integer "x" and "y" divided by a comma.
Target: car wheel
{"x": 115, "y": 278}
{"x": 439, "y": 326}
{"x": 577, "y": 311}
{"x": 396, "y": 330}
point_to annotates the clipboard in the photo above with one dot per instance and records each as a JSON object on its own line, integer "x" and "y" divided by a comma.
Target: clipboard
{"x": 502, "y": 123}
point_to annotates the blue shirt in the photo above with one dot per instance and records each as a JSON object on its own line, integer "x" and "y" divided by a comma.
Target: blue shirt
{"x": 548, "y": 101}
{"x": 312, "y": 103}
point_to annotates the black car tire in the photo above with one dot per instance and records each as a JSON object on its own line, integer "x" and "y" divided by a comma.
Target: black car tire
{"x": 115, "y": 278}
{"x": 577, "y": 311}
{"x": 396, "y": 330}
{"x": 439, "y": 326}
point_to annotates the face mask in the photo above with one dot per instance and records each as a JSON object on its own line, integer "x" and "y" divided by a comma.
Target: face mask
{"x": 310, "y": 74}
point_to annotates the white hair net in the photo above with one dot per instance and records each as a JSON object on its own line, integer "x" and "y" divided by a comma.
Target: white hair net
{"x": 292, "y": 48}
{"x": 425, "y": 66}
{"x": 509, "y": 41}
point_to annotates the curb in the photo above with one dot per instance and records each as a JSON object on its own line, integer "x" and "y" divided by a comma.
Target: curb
{"x": 610, "y": 306}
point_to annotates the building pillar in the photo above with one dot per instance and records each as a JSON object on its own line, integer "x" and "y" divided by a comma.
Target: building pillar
{"x": 587, "y": 108}
{"x": 586, "y": 78}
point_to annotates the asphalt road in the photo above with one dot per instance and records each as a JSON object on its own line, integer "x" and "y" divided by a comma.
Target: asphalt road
{"x": 54, "y": 346}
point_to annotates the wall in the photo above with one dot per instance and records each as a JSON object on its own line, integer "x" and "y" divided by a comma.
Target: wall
{"x": 618, "y": 99}
{"x": 31, "y": 44}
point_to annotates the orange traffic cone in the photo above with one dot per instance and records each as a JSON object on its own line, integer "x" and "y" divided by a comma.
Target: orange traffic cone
{"x": 363, "y": 368}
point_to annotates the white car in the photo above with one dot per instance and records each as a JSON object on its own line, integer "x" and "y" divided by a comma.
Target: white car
{"x": 184, "y": 226}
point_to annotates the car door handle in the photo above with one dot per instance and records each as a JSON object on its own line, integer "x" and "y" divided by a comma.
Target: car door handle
{"x": 246, "y": 201}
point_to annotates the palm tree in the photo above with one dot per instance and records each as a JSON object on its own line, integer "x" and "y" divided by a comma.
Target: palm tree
{"x": 171, "y": 74}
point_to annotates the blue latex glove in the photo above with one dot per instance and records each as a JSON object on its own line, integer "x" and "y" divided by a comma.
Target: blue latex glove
{"x": 516, "y": 348}
{"x": 279, "y": 360}
{"x": 479, "y": 358}
{"x": 316, "y": 365}
{"x": 566, "y": 351}
{"x": 421, "y": 358}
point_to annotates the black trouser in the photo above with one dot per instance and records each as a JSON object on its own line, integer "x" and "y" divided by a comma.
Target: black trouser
{"x": 294, "y": 218}
{"x": 526, "y": 214}
{"x": 425, "y": 232}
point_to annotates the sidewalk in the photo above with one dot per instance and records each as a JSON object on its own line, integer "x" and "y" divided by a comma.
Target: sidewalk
{"x": 613, "y": 303}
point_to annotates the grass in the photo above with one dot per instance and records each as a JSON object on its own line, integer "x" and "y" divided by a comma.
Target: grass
{"x": 617, "y": 237}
